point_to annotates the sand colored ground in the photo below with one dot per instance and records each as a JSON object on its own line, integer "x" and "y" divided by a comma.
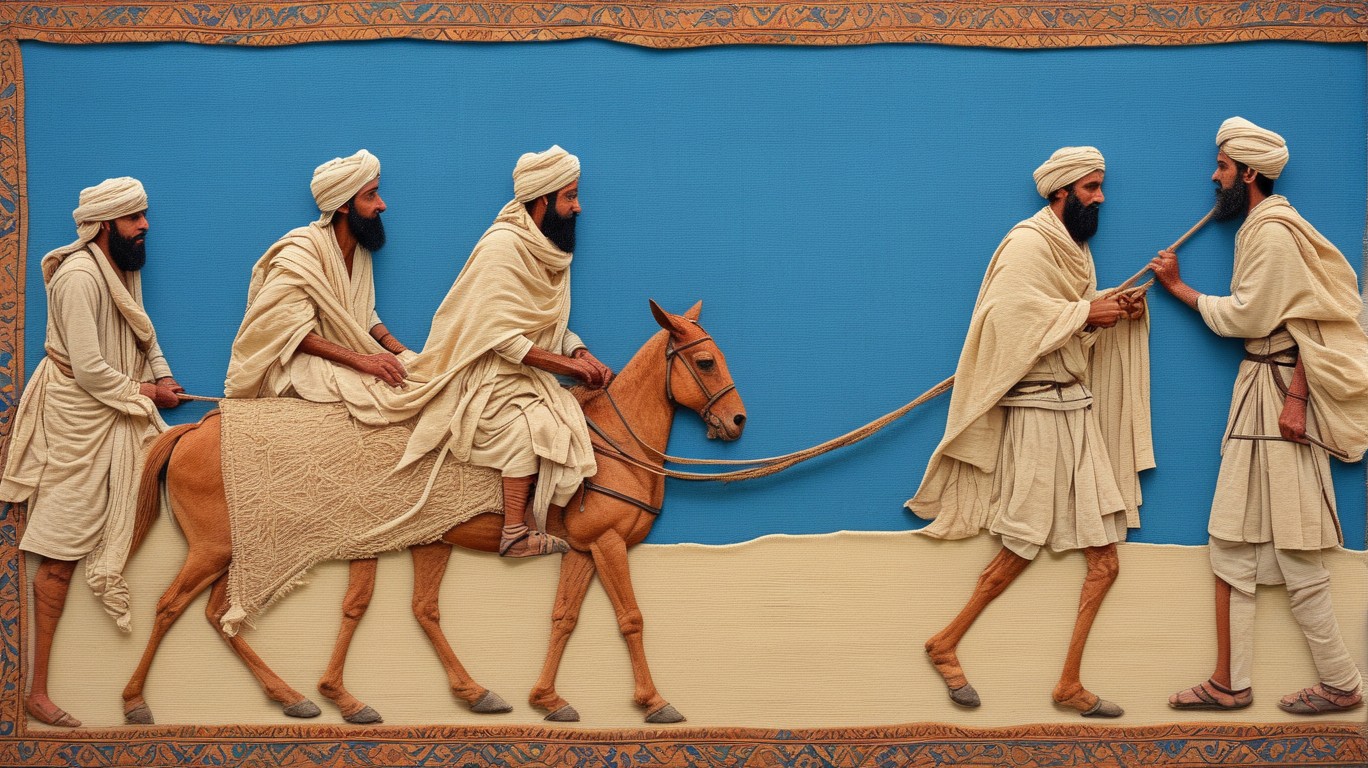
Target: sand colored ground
{"x": 783, "y": 631}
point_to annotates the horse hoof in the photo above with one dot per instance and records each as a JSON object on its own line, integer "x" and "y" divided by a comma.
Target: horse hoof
{"x": 491, "y": 704}
{"x": 965, "y": 696}
{"x": 364, "y": 716}
{"x": 139, "y": 715}
{"x": 303, "y": 708}
{"x": 565, "y": 714}
{"x": 666, "y": 714}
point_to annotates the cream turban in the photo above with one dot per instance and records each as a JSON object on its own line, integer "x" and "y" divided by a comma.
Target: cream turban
{"x": 338, "y": 180}
{"x": 105, "y": 201}
{"x": 541, "y": 173}
{"x": 1258, "y": 148}
{"x": 1065, "y": 166}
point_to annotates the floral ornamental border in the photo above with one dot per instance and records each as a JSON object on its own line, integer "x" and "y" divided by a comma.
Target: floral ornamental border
{"x": 680, "y": 23}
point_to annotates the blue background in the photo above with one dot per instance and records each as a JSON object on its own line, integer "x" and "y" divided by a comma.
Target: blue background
{"x": 833, "y": 207}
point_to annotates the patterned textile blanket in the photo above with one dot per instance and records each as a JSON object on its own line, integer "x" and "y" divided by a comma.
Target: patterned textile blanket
{"x": 305, "y": 483}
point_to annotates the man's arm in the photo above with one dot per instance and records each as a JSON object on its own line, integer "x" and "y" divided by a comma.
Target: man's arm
{"x": 1292, "y": 421}
{"x": 582, "y": 366}
{"x": 1166, "y": 271}
{"x": 387, "y": 340}
{"x": 382, "y": 365}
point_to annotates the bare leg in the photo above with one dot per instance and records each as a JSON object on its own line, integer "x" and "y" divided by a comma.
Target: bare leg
{"x": 360, "y": 587}
{"x": 518, "y": 539}
{"x": 1000, "y": 573}
{"x": 1103, "y": 566}
{"x": 577, "y": 570}
{"x": 49, "y": 599}
{"x": 429, "y": 566}
{"x": 1216, "y": 692}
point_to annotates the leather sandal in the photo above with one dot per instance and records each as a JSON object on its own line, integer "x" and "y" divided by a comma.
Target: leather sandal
{"x": 522, "y": 541}
{"x": 1211, "y": 695}
{"x": 1320, "y": 699}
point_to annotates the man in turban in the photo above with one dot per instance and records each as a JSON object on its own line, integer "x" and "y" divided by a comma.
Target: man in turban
{"x": 75, "y": 453}
{"x": 499, "y": 335}
{"x": 311, "y": 329}
{"x": 1049, "y": 418}
{"x": 1301, "y": 395}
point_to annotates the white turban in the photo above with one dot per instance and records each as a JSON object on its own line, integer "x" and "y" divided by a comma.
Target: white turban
{"x": 1258, "y": 148}
{"x": 541, "y": 173}
{"x": 105, "y": 201}
{"x": 1065, "y": 166}
{"x": 338, "y": 180}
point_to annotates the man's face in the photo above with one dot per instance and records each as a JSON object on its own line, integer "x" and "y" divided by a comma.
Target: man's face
{"x": 1232, "y": 191}
{"x": 558, "y": 222}
{"x": 1083, "y": 205}
{"x": 363, "y": 217}
{"x": 128, "y": 241}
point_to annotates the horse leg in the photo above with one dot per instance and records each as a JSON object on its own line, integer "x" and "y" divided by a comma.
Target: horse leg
{"x": 429, "y": 566}
{"x": 360, "y": 587}
{"x": 295, "y": 704}
{"x": 1103, "y": 566}
{"x": 577, "y": 570}
{"x": 200, "y": 570}
{"x": 996, "y": 577}
{"x": 610, "y": 555}
{"x": 50, "y": 586}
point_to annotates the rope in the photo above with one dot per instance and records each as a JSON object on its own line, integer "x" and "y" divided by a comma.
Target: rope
{"x": 198, "y": 398}
{"x": 775, "y": 464}
{"x": 1201, "y": 223}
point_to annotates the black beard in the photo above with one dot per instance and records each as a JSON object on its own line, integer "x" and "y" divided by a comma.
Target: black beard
{"x": 369, "y": 233}
{"x": 128, "y": 254}
{"x": 560, "y": 230}
{"x": 1231, "y": 202}
{"x": 1080, "y": 219}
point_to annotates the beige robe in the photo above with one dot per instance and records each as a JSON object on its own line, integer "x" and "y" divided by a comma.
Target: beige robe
{"x": 1288, "y": 276}
{"x": 301, "y": 285}
{"x": 1026, "y": 325}
{"x": 75, "y": 453}
{"x": 479, "y": 402}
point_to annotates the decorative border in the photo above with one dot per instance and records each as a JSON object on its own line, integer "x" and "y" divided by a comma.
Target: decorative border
{"x": 682, "y": 23}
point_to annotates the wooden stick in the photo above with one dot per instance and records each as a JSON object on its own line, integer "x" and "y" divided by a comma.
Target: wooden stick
{"x": 1174, "y": 247}
{"x": 198, "y": 398}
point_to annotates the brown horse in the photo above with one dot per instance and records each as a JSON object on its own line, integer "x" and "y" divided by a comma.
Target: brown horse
{"x": 613, "y": 511}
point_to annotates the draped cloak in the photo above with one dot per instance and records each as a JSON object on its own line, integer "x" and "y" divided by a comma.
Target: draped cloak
{"x": 1034, "y": 299}
{"x": 301, "y": 285}
{"x": 76, "y": 450}
{"x": 1288, "y": 276}
{"x": 513, "y": 293}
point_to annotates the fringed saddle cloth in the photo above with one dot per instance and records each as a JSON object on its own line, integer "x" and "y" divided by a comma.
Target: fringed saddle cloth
{"x": 305, "y": 483}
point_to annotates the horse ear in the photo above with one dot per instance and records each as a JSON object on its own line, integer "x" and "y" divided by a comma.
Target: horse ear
{"x": 695, "y": 311}
{"x": 662, "y": 317}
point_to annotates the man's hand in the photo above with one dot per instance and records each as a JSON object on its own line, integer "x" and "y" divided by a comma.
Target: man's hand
{"x": 1292, "y": 421}
{"x": 1165, "y": 268}
{"x": 602, "y": 373}
{"x": 1132, "y": 303}
{"x": 382, "y": 365}
{"x": 162, "y": 397}
{"x": 576, "y": 367}
{"x": 1104, "y": 313}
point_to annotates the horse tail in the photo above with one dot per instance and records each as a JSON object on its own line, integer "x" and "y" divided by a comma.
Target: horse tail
{"x": 149, "y": 487}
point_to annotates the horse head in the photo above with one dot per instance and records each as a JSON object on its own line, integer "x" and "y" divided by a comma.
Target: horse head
{"x": 696, "y": 374}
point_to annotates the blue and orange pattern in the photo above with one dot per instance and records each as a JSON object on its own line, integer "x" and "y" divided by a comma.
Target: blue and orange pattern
{"x": 682, "y": 23}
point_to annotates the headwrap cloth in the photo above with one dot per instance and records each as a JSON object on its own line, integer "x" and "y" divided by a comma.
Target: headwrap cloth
{"x": 1258, "y": 148}
{"x": 541, "y": 173}
{"x": 338, "y": 180}
{"x": 1065, "y": 166}
{"x": 105, "y": 201}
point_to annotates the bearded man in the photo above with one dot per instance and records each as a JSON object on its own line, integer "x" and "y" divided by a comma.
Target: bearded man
{"x": 311, "y": 329}
{"x": 1301, "y": 394}
{"x": 1049, "y": 418}
{"x": 499, "y": 335}
{"x": 75, "y": 454}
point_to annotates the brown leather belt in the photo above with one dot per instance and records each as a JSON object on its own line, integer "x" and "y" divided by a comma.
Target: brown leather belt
{"x": 1277, "y": 358}
{"x": 1038, "y": 387}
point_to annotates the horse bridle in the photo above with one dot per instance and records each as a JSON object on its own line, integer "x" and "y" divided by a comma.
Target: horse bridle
{"x": 671, "y": 353}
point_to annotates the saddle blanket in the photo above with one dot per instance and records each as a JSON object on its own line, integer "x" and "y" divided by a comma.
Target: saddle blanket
{"x": 306, "y": 483}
